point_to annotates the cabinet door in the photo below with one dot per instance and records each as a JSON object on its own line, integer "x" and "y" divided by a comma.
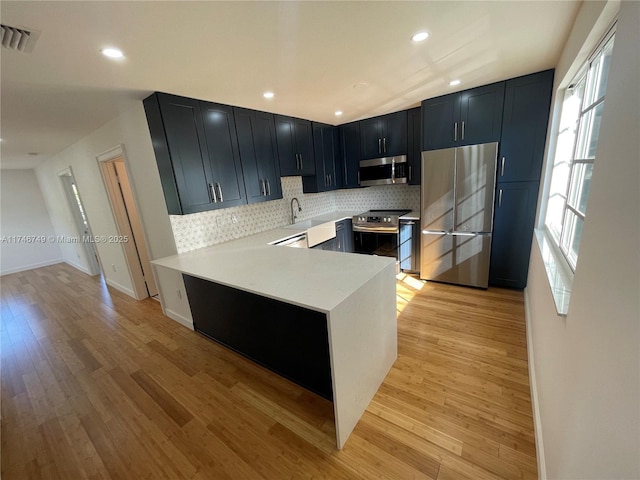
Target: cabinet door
{"x": 481, "y": 114}
{"x": 287, "y": 154}
{"x": 513, "y": 224}
{"x": 185, "y": 139}
{"x": 350, "y": 143}
{"x": 439, "y": 122}
{"x": 295, "y": 146}
{"x": 304, "y": 142}
{"x": 414, "y": 133}
{"x": 527, "y": 103}
{"x": 326, "y": 150}
{"x": 394, "y": 134}
{"x": 257, "y": 145}
{"x": 371, "y": 138}
{"x": 222, "y": 145}
{"x": 267, "y": 152}
{"x": 344, "y": 236}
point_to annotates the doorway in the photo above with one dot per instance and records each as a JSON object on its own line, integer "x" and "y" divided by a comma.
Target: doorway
{"x": 80, "y": 219}
{"x": 129, "y": 225}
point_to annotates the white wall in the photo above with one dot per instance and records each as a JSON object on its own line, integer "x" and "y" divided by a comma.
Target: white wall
{"x": 129, "y": 129}
{"x": 24, "y": 213}
{"x": 587, "y": 365}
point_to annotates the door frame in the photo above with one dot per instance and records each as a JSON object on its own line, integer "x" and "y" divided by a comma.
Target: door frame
{"x": 74, "y": 201}
{"x": 136, "y": 250}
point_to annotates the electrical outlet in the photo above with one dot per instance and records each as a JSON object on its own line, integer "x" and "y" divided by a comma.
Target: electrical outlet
{"x": 234, "y": 218}
{"x": 113, "y": 266}
{"x": 179, "y": 294}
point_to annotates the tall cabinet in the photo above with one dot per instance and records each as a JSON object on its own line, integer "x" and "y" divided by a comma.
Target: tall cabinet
{"x": 527, "y": 103}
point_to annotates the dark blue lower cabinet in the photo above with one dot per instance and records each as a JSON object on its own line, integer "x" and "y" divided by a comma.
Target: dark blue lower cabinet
{"x": 514, "y": 219}
{"x": 291, "y": 341}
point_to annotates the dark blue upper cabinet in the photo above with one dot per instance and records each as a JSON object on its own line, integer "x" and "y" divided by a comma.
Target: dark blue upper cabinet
{"x": 222, "y": 144}
{"x": 197, "y": 173}
{"x": 295, "y": 146}
{"x": 414, "y": 143}
{"x": 527, "y": 103}
{"x": 464, "y": 118}
{"x": 326, "y": 147}
{"x": 350, "y": 150}
{"x": 384, "y": 136}
{"x": 258, "y": 154}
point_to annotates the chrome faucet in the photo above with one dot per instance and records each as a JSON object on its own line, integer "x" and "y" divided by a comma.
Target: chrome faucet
{"x": 293, "y": 215}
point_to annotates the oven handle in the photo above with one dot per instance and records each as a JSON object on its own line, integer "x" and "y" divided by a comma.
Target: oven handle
{"x": 357, "y": 228}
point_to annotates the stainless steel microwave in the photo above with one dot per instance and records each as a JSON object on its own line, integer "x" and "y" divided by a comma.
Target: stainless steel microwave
{"x": 384, "y": 171}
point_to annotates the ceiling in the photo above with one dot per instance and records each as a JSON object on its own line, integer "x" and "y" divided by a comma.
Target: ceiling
{"x": 318, "y": 57}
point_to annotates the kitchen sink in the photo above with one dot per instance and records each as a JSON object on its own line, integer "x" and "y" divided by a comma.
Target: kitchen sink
{"x": 318, "y": 231}
{"x": 305, "y": 225}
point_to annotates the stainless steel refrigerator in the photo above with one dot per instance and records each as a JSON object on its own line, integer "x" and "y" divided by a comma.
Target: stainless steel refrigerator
{"x": 458, "y": 188}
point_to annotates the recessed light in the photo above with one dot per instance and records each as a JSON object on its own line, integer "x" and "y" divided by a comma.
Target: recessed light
{"x": 112, "y": 52}
{"x": 338, "y": 113}
{"x": 453, "y": 83}
{"x": 268, "y": 94}
{"x": 420, "y": 36}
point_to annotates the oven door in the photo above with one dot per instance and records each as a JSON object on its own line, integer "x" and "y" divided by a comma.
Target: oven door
{"x": 384, "y": 244}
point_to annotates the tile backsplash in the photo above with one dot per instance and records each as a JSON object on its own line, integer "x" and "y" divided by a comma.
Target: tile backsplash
{"x": 208, "y": 228}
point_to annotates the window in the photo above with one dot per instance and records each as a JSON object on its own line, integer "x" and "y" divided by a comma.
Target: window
{"x": 575, "y": 153}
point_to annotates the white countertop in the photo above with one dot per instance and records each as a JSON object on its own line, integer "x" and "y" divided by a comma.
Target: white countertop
{"x": 315, "y": 279}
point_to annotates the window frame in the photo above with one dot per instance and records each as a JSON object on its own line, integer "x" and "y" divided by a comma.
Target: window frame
{"x": 566, "y": 252}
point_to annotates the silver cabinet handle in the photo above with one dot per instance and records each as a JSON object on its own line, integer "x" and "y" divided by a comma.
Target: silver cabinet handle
{"x": 500, "y": 198}
{"x": 268, "y": 189}
{"x": 384, "y": 145}
{"x": 455, "y": 131}
{"x": 220, "y": 192}
{"x": 410, "y": 173}
{"x": 379, "y": 147}
{"x": 502, "y": 168}
{"x": 358, "y": 177}
{"x": 213, "y": 193}
{"x": 463, "y": 130}
{"x": 297, "y": 162}
{"x": 263, "y": 190}
{"x": 329, "y": 179}
{"x": 301, "y": 162}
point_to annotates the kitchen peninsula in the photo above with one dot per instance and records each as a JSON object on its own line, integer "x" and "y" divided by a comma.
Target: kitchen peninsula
{"x": 340, "y": 307}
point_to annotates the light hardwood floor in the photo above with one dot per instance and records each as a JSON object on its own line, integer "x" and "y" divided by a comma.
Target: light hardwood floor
{"x": 98, "y": 385}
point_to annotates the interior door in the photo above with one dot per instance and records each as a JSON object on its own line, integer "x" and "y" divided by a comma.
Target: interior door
{"x": 438, "y": 175}
{"x": 475, "y": 186}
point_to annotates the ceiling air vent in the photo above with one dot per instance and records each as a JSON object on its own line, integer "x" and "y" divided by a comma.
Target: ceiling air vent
{"x": 20, "y": 39}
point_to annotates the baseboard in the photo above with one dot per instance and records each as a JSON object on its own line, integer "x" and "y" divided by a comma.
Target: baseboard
{"x": 537, "y": 424}
{"x": 77, "y": 266}
{"x": 24, "y": 268}
{"x": 121, "y": 288}
{"x": 184, "y": 321}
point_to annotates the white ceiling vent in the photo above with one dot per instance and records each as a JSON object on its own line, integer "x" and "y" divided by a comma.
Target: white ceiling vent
{"x": 20, "y": 39}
